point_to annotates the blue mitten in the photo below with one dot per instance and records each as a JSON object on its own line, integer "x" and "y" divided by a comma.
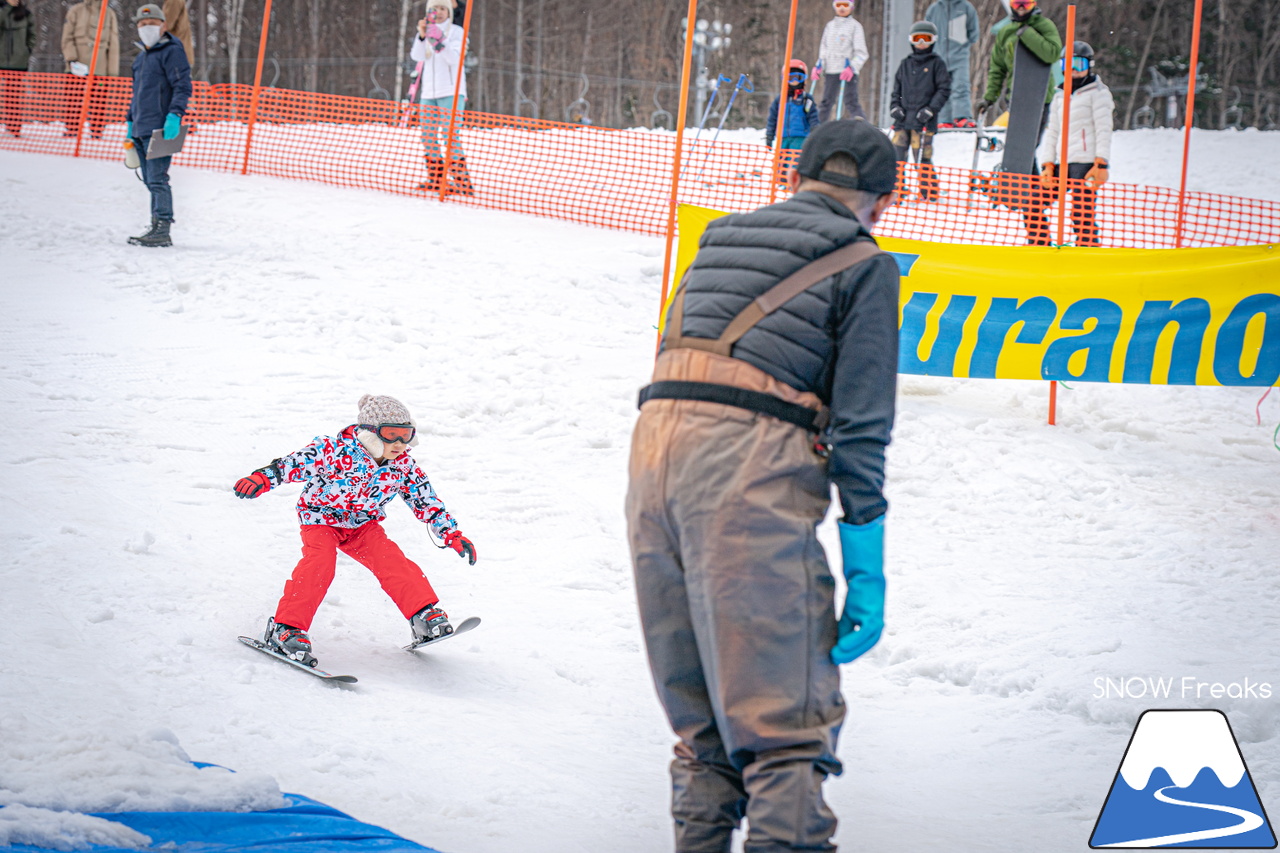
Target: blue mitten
{"x": 171, "y": 125}
{"x": 862, "y": 548}
{"x": 128, "y": 130}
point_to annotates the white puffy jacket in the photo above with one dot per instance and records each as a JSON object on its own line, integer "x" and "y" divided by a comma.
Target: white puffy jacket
{"x": 1091, "y": 125}
{"x": 441, "y": 67}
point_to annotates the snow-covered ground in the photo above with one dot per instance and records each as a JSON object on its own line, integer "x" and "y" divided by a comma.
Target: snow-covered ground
{"x": 1136, "y": 539}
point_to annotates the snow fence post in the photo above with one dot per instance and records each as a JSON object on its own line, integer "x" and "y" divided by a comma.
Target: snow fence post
{"x": 690, "y": 22}
{"x": 453, "y": 110}
{"x": 93, "y": 69}
{"x": 1188, "y": 120}
{"x": 782, "y": 104}
{"x": 257, "y": 86}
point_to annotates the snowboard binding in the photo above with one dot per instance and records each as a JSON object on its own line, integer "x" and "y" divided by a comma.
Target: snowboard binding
{"x": 291, "y": 642}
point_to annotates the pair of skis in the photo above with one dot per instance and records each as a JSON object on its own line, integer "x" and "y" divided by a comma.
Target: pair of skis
{"x": 743, "y": 85}
{"x": 463, "y": 627}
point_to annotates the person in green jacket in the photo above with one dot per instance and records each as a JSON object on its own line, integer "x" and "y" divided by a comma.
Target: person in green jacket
{"x": 17, "y": 42}
{"x": 1041, "y": 37}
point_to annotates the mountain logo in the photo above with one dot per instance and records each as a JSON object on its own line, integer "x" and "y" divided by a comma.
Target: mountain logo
{"x": 1183, "y": 783}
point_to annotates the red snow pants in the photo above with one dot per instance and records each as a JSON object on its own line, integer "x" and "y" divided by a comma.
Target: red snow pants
{"x": 369, "y": 546}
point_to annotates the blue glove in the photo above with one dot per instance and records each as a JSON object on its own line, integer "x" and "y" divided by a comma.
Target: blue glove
{"x": 171, "y": 125}
{"x": 862, "y": 547}
{"x": 128, "y": 130}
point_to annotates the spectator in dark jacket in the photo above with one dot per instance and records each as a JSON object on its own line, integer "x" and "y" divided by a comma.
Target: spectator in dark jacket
{"x": 161, "y": 89}
{"x": 17, "y": 41}
{"x": 729, "y": 479}
{"x": 921, "y": 88}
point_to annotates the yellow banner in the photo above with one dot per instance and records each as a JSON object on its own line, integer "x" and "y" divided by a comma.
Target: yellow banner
{"x": 1146, "y": 316}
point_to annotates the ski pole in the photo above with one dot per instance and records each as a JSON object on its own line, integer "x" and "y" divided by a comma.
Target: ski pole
{"x": 840, "y": 96}
{"x": 813, "y": 78}
{"x": 743, "y": 85}
{"x": 720, "y": 81}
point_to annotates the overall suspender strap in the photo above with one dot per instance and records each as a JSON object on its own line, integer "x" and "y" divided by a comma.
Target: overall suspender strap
{"x": 814, "y": 420}
{"x": 769, "y": 301}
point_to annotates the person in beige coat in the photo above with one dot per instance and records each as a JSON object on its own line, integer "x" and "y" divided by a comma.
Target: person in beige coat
{"x": 178, "y": 25}
{"x": 79, "y": 31}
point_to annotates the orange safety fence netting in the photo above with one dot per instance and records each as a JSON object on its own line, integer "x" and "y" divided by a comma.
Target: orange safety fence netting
{"x": 596, "y": 176}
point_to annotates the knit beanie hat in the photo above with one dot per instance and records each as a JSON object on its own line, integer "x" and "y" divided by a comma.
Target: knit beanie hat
{"x": 446, "y": 4}
{"x": 376, "y": 410}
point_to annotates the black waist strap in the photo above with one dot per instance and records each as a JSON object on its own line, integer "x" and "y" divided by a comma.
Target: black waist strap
{"x": 754, "y": 401}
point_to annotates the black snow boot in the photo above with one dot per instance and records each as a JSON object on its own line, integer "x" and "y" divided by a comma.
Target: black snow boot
{"x": 157, "y": 237}
{"x": 435, "y": 174}
{"x": 136, "y": 241}
{"x": 460, "y": 178}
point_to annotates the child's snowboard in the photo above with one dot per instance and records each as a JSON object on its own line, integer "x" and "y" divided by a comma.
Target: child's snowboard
{"x": 254, "y": 643}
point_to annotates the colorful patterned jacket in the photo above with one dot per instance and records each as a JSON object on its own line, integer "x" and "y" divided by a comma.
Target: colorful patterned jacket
{"x": 346, "y": 487}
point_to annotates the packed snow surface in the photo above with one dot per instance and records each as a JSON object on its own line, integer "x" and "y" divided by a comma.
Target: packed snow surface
{"x": 1043, "y": 581}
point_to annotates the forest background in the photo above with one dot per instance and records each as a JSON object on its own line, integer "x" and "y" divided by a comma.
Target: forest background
{"x": 618, "y": 64}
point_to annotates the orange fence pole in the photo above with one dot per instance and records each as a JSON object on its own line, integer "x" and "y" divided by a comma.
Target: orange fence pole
{"x": 1188, "y": 120}
{"x": 1053, "y": 403}
{"x": 782, "y": 103}
{"x": 453, "y": 113}
{"x": 93, "y": 69}
{"x": 690, "y": 22}
{"x": 1066, "y": 123}
{"x": 257, "y": 86}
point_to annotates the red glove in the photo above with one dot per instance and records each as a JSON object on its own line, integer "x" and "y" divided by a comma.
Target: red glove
{"x": 253, "y": 485}
{"x": 847, "y": 74}
{"x": 455, "y": 540}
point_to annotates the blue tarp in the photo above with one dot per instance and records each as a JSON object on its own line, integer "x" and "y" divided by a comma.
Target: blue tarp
{"x": 305, "y": 826}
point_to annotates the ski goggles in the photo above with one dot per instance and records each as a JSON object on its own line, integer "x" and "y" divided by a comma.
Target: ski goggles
{"x": 390, "y": 433}
{"x": 922, "y": 39}
{"x": 842, "y": 5}
{"x": 796, "y": 78}
{"x": 1078, "y": 63}
{"x": 1022, "y": 5}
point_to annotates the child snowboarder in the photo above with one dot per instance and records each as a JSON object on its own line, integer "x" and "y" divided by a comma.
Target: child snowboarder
{"x": 920, "y": 89}
{"x": 1089, "y": 150}
{"x": 349, "y": 479}
{"x": 841, "y": 55}
{"x": 801, "y": 115}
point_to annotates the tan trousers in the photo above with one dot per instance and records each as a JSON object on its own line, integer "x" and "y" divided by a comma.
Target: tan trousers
{"x": 737, "y": 607}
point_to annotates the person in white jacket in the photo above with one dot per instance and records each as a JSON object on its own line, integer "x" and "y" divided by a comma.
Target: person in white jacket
{"x": 437, "y": 50}
{"x": 841, "y": 55}
{"x": 1088, "y": 145}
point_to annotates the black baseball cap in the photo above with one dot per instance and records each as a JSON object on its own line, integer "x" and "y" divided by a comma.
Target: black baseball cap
{"x": 861, "y": 140}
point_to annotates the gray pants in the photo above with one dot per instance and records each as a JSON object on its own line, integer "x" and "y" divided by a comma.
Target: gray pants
{"x": 960, "y": 104}
{"x": 737, "y": 607}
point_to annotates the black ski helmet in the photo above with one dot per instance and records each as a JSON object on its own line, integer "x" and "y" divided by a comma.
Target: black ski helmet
{"x": 1079, "y": 48}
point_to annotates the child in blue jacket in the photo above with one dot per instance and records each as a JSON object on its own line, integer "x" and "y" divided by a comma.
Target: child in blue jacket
{"x": 801, "y": 115}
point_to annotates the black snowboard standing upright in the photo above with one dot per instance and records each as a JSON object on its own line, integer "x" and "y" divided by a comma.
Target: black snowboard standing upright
{"x": 1026, "y": 111}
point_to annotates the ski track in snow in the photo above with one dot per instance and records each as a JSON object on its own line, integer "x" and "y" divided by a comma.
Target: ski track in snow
{"x": 1137, "y": 538}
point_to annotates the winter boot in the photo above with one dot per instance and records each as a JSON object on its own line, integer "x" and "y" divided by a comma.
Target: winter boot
{"x": 928, "y": 182}
{"x": 435, "y": 174}
{"x": 137, "y": 241}
{"x": 460, "y": 178}
{"x": 157, "y": 237}
{"x": 429, "y": 623}
{"x": 289, "y": 641}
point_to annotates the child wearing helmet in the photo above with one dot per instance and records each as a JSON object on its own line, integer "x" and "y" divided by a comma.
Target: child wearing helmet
{"x": 920, "y": 89}
{"x": 1089, "y": 148}
{"x": 800, "y": 115}
{"x": 841, "y": 55}
{"x": 348, "y": 479}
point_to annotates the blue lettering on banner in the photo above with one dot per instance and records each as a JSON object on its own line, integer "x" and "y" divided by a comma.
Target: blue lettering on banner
{"x": 1036, "y": 316}
{"x": 942, "y": 355}
{"x": 905, "y": 262}
{"x": 1192, "y": 317}
{"x": 1097, "y": 343}
{"x": 1230, "y": 343}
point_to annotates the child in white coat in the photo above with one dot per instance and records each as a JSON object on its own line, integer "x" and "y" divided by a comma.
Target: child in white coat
{"x": 1089, "y": 146}
{"x": 438, "y": 49}
{"x": 841, "y": 55}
